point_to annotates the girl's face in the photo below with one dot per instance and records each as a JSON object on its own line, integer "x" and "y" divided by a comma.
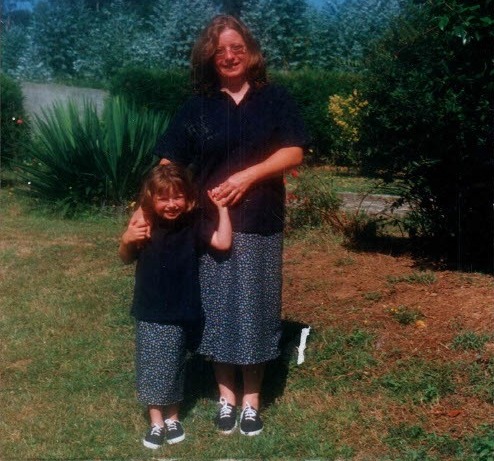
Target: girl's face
{"x": 169, "y": 204}
{"x": 231, "y": 59}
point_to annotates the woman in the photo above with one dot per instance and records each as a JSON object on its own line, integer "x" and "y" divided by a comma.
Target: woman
{"x": 239, "y": 134}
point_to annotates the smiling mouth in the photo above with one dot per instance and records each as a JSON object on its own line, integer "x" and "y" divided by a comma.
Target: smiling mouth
{"x": 172, "y": 213}
{"x": 231, "y": 66}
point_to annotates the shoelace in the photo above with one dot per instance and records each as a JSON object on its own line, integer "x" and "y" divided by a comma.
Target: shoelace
{"x": 156, "y": 430}
{"x": 225, "y": 410}
{"x": 249, "y": 413}
{"x": 171, "y": 425}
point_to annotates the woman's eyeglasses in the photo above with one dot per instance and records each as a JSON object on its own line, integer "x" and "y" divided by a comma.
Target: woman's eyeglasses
{"x": 234, "y": 49}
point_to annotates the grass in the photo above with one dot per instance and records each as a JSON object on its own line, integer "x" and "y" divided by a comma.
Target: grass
{"x": 67, "y": 379}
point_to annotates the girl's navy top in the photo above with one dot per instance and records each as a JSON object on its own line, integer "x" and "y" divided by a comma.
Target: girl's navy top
{"x": 218, "y": 138}
{"x": 166, "y": 278}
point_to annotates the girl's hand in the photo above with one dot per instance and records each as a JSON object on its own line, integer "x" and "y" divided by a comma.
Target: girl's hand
{"x": 233, "y": 189}
{"x": 213, "y": 198}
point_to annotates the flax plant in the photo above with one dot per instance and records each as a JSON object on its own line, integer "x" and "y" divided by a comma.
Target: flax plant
{"x": 78, "y": 158}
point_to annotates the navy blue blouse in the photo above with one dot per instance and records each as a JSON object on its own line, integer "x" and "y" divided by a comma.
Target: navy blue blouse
{"x": 218, "y": 138}
{"x": 167, "y": 273}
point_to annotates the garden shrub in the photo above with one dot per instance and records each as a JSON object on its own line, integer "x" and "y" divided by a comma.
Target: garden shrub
{"x": 430, "y": 123}
{"x": 346, "y": 117}
{"x": 166, "y": 90}
{"x": 78, "y": 159}
{"x": 159, "y": 90}
{"x": 312, "y": 89}
{"x": 14, "y": 131}
{"x": 311, "y": 200}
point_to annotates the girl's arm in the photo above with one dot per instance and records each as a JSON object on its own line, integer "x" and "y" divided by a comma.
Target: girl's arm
{"x": 222, "y": 236}
{"x": 136, "y": 233}
{"x": 233, "y": 189}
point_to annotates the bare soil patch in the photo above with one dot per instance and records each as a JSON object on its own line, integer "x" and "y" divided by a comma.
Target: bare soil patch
{"x": 327, "y": 286}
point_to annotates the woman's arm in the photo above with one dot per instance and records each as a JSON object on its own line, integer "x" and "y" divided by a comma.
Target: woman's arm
{"x": 233, "y": 189}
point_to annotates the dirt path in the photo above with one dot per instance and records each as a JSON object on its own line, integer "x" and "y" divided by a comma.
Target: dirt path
{"x": 375, "y": 204}
{"x": 39, "y": 96}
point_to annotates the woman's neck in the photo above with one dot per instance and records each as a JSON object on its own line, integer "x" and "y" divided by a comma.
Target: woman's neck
{"x": 236, "y": 90}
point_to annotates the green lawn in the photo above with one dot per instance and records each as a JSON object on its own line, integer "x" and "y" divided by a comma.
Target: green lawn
{"x": 67, "y": 379}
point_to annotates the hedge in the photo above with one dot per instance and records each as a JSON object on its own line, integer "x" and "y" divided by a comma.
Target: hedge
{"x": 167, "y": 90}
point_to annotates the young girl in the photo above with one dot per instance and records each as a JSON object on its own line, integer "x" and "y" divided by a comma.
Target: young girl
{"x": 166, "y": 301}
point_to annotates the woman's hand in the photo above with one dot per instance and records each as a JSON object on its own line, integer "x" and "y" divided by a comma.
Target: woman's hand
{"x": 138, "y": 219}
{"x": 137, "y": 232}
{"x": 234, "y": 188}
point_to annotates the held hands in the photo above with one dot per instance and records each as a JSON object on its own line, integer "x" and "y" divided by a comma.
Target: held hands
{"x": 215, "y": 200}
{"x": 233, "y": 189}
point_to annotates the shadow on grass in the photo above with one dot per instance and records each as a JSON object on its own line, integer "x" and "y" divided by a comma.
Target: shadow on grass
{"x": 200, "y": 382}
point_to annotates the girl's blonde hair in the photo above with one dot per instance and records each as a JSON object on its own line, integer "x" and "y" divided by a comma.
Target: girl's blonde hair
{"x": 167, "y": 179}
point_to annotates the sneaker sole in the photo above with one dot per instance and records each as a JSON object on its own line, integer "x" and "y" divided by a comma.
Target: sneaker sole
{"x": 228, "y": 431}
{"x": 252, "y": 433}
{"x": 176, "y": 440}
{"x": 150, "y": 445}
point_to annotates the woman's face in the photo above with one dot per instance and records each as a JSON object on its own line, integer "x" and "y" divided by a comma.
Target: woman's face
{"x": 231, "y": 59}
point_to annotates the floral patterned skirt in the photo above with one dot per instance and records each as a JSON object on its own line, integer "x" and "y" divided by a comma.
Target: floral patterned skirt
{"x": 241, "y": 297}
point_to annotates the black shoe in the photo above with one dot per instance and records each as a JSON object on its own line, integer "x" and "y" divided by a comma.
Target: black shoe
{"x": 155, "y": 437}
{"x": 174, "y": 431}
{"x": 250, "y": 422}
{"x": 226, "y": 419}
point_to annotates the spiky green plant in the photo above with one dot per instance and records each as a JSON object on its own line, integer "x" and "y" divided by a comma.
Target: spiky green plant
{"x": 79, "y": 159}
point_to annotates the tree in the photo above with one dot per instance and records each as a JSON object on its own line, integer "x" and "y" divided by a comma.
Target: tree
{"x": 281, "y": 28}
{"x": 429, "y": 87}
{"x": 109, "y": 41}
{"x": 176, "y": 30}
{"x": 351, "y": 28}
{"x": 59, "y": 31}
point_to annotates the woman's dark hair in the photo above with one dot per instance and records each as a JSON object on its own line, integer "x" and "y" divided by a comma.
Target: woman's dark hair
{"x": 171, "y": 178}
{"x": 204, "y": 76}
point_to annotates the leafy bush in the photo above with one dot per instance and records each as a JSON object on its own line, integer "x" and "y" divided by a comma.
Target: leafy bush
{"x": 160, "y": 90}
{"x": 79, "y": 160}
{"x": 310, "y": 201}
{"x": 346, "y": 115}
{"x": 429, "y": 122}
{"x": 312, "y": 89}
{"x": 166, "y": 90}
{"x": 14, "y": 126}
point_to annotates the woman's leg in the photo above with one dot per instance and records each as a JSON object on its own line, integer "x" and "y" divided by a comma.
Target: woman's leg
{"x": 225, "y": 378}
{"x": 226, "y": 418}
{"x": 252, "y": 378}
{"x": 250, "y": 422}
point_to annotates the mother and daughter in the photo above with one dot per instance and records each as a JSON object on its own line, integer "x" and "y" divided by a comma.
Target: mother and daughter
{"x": 209, "y": 266}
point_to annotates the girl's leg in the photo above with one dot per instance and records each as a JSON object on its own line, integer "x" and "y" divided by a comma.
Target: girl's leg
{"x": 156, "y": 415}
{"x": 225, "y": 377}
{"x": 252, "y": 378}
{"x": 171, "y": 412}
